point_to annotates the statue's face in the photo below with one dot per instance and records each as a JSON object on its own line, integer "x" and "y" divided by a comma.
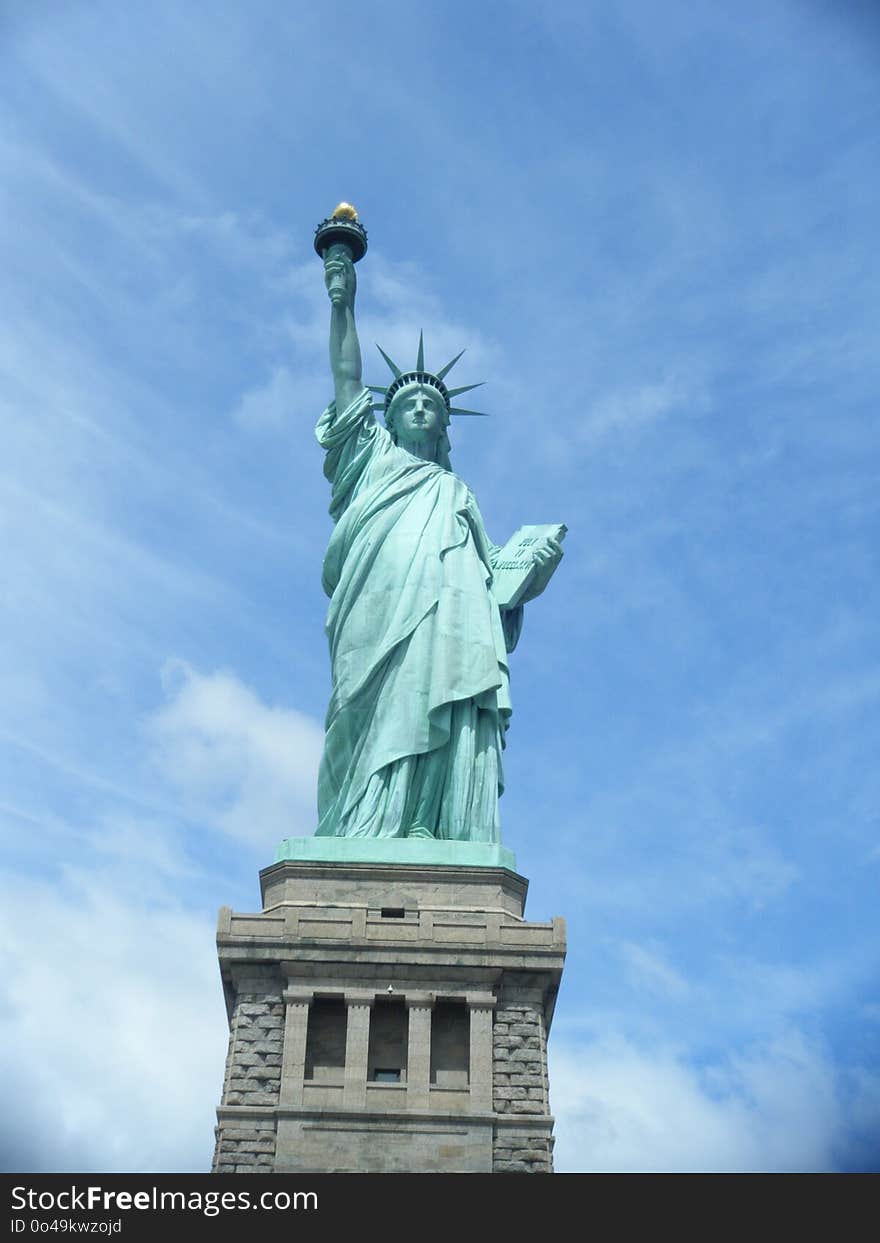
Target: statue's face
{"x": 417, "y": 413}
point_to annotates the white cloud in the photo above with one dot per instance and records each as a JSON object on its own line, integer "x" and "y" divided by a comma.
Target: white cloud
{"x": 622, "y": 1108}
{"x": 743, "y": 862}
{"x": 771, "y": 994}
{"x": 401, "y": 304}
{"x": 649, "y": 969}
{"x": 246, "y": 242}
{"x": 270, "y": 406}
{"x": 112, "y": 1029}
{"x": 634, "y": 408}
{"x": 247, "y": 768}
{"x": 109, "y": 101}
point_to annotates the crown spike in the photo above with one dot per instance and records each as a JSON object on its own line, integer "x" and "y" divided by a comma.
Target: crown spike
{"x": 420, "y": 361}
{"x": 481, "y": 414}
{"x": 395, "y": 370}
{"x": 445, "y": 370}
{"x": 465, "y": 388}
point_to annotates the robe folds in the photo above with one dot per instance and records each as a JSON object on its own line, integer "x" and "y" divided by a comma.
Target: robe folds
{"x": 418, "y": 645}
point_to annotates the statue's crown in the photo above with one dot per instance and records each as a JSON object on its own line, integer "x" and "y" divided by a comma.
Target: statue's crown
{"x": 420, "y": 375}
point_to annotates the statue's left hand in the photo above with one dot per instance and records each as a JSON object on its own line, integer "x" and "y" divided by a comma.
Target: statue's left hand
{"x": 547, "y": 556}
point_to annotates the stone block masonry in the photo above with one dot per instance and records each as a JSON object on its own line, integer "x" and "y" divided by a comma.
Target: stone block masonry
{"x": 521, "y": 1090}
{"x": 248, "y": 1148}
{"x": 252, "y": 1081}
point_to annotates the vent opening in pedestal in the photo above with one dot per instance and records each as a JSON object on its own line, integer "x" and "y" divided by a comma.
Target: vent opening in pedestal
{"x": 450, "y": 1045}
{"x": 325, "y": 1039}
{"x": 388, "y": 1041}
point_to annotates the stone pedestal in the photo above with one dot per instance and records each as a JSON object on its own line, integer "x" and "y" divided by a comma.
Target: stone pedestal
{"x": 387, "y": 1017}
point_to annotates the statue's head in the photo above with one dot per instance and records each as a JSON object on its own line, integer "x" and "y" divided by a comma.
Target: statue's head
{"x": 418, "y": 404}
{"x": 418, "y": 414}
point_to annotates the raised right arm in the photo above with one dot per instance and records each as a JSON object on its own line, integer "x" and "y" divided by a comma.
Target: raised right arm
{"x": 345, "y": 350}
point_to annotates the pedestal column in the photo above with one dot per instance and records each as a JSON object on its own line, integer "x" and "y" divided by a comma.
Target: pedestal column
{"x": 357, "y": 1046}
{"x": 418, "y": 1066}
{"x": 293, "y": 1055}
{"x": 481, "y": 1052}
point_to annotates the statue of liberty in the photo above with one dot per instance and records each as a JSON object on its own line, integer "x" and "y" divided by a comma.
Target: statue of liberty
{"x": 419, "y": 633}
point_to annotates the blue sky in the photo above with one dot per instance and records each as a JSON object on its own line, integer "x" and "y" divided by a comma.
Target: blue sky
{"x": 654, "y": 227}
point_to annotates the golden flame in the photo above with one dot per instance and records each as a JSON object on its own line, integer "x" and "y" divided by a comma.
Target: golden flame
{"x": 344, "y": 211}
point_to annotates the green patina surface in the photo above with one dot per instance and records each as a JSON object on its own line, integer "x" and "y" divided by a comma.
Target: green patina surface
{"x": 419, "y": 637}
{"x": 395, "y": 850}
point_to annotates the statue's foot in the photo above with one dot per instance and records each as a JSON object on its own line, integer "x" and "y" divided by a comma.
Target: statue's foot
{"x": 418, "y": 831}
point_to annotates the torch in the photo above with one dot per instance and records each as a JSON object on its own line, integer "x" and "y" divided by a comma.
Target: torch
{"x": 341, "y": 228}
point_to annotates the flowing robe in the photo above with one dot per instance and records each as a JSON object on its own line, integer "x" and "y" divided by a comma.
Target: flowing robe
{"x": 418, "y": 645}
